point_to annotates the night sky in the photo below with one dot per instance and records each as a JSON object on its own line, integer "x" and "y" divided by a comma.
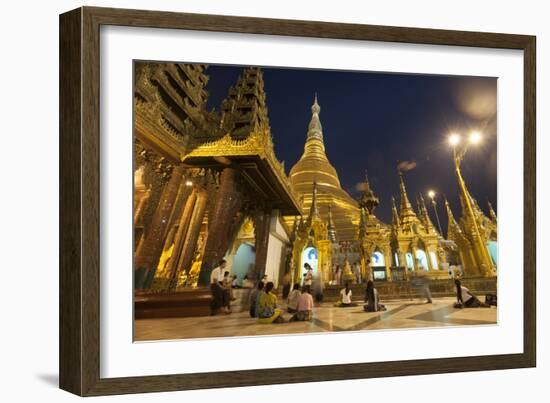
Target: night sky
{"x": 374, "y": 121}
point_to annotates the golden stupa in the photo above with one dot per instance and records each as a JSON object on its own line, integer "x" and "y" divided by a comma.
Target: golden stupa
{"x": 314, "y": 166}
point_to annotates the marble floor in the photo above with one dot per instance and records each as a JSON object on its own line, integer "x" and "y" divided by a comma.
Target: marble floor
{"x": 400, "y": 314}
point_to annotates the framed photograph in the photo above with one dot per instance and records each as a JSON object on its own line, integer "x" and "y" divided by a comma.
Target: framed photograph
{"x": 250, "y": 201}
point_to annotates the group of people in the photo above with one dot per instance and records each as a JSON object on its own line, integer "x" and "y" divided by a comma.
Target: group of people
{"x": 372, "y": 301}
{"x": 263, "y": 304}
{"x": 221, "y": 286}
{"x": 302, "y": 298}
{"x": 262, "y": 299}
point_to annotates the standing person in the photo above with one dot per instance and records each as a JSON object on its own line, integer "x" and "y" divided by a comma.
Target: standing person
{"x": 304, "y": 307}
{"x": 425, "y": 285}
{"x": 338, "y": 276}
{"x": 333, "y": 274}
{"x": 466, "y": 299}
{"x": 368, "y": 270}
{"x": 308, "y": 278}
{"x": 228, "y": 290}
{"x": 318, "y": 289}
{"x": 254, "y": 298}
{"x": 371, "y": 299}
{"x": 286, "y": 285}
{"x": 219, "y": 295}
{"x": 345, "y": 297}
{"x": 357, "y": 272}
{"x": 292, "y": 304}
{"x": 267, "y": 310}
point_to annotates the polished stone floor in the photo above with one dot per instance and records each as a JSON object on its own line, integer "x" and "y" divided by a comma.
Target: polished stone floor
{"x": 400, "y": 314}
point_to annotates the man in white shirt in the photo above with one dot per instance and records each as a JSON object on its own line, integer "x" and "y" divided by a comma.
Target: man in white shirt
{"x": 220, "y": 299}
{"x": 217, "y": 274}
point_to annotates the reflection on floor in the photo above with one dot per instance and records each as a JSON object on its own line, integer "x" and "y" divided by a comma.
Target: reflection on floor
{"x": 400, "y": 315}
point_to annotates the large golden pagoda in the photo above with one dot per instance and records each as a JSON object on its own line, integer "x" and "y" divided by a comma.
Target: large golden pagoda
{"x": 314, "y": 167}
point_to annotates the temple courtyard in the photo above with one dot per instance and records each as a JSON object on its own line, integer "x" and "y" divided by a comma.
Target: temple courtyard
{"x": 400, "y": 314}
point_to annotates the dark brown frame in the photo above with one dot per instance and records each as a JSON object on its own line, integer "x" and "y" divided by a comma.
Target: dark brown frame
{"x": 79, "y": 200}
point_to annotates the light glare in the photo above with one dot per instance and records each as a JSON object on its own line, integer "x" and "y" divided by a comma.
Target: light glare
{"x": 475, "y": 137}
{"x": 454, "y": 139}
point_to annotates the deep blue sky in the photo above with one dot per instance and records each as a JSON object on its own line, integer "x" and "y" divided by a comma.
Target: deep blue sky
{"x": 374, "y": 121}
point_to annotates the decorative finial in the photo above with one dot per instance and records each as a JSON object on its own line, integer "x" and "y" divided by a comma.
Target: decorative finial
{"x": 315, "y": 108}
{"x": 315, "y": 129}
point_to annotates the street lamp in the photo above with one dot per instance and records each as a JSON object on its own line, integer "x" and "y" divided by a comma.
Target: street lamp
{"x": 458, "y": 155}
{"x": 431, "y": 194}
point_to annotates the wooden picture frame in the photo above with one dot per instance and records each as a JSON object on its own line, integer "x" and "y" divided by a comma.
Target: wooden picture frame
{"x": 79, "y": 200}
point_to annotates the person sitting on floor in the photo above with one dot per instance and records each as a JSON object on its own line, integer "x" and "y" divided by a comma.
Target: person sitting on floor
{"x": 220, "y": 296}
{"x": 227, "y": 281}
{"x": 305, "y": 307}
{"x": 292, "y": 305}
{"x": 465, "y": 299}
{"x": 253, "y": 299}
{"x": 236, "y": 283}
{"x": 345, "y": 297}
{"x": 267, "y": 310}
{"x": 247, "y": 283}
{"x": 371, "y": 299}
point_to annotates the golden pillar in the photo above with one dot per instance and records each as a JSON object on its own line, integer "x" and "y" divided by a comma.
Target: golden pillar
{"x": 183, "y": 226}
{"x": 149, "y": 250}
{"x": 187, "y": 254}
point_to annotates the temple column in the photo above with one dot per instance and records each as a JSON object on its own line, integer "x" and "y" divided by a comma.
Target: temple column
{"x": 140, "y": 207}
{"x": 403, "y": 262}
{"x": 262, "y": 221}
{"x": 149, "y": 250}
{"x": 229, "y": 200}
{"x": 387, "y": 261}
{"x": 155, "y": 173}
{"x": 183, "y": 226}
{"x": 186, "y": 256}
{"x": 415, "y": 261}
{"x": 428, "y": 259}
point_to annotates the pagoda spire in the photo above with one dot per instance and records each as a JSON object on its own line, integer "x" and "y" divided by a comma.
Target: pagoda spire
{"x": 368, "y": 199}
{"x": 362, "y": 223}
{"x": 405, "y": 209}
{"x": 452, "y": 226}
{"x": 315, "y": 129}
{"x": 331, "y": 227}
{"x": 244, "y": 111}
{"x": 313, "y": 211}
{"x": 395, "y": 220}
{"x": 424, "y": 215}
{"x": 315, "y": 146}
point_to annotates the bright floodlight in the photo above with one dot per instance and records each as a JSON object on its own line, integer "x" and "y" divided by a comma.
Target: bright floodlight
{"x": 188, "y": 183}
{"x": 475, "y": 137}
{"x": 454, "y": 139}
{"x": 431, "y": 193}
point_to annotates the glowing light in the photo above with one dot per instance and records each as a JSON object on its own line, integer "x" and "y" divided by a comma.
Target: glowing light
{"x": 475, "y": 137}
{"x": 431, "y": 193}
{"x": 454, "y": 139}
{"x": 188, "y": 183}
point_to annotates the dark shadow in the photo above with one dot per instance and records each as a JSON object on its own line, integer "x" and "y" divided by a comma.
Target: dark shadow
{"x": 49, "y": 379}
